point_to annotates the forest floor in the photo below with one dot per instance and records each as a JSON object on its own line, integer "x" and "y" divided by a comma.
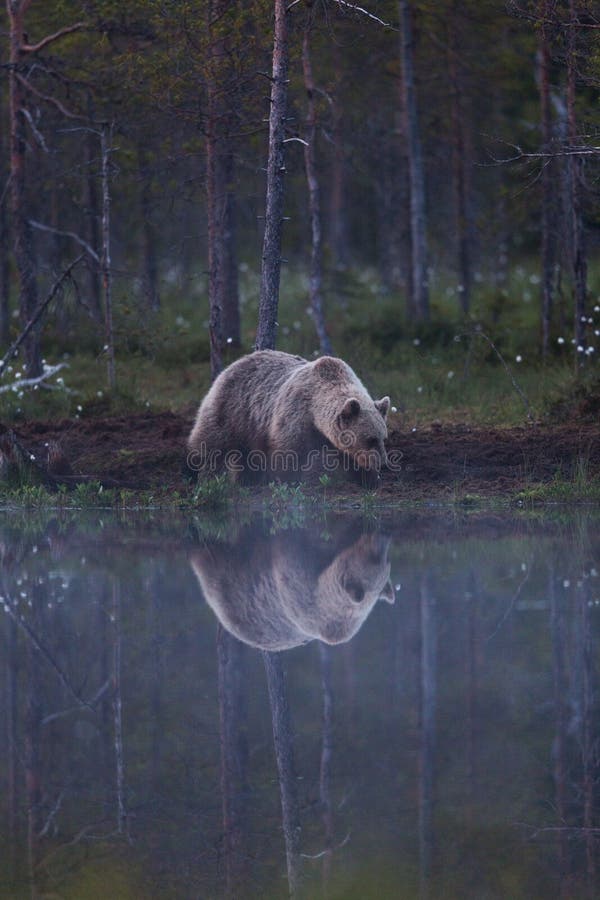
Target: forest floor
{"x": 146, "y": 452}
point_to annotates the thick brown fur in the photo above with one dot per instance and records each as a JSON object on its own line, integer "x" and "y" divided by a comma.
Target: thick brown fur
{"x": 279, "y": 592}
{"x": 277, "y": 414}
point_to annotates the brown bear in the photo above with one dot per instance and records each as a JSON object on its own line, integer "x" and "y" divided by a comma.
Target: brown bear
{"x": 277, "y": 415}
{"x": 277, "y": 592}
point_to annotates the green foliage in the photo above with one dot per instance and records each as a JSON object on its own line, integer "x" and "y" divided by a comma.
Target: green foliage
{"x": 213, "y": 492}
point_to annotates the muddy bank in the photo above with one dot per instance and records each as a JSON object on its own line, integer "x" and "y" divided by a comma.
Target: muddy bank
{"x": 147, "y": 451}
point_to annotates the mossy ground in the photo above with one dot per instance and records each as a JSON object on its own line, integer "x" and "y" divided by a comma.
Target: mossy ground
{"x": 442, "y": 377}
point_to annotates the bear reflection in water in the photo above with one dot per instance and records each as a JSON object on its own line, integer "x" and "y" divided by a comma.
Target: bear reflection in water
{"x": 277, "y": 592}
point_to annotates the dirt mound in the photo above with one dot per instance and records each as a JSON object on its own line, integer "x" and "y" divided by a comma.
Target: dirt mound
{"x": 147, "y": 450}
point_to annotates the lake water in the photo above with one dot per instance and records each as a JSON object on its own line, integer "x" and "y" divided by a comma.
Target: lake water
{"x": 335, "y": 706}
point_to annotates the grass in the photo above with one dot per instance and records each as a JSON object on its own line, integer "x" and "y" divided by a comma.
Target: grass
{"x": 581, "y": 487}
{"x": 163, "y": 359}
{"x": 442, "y": 371}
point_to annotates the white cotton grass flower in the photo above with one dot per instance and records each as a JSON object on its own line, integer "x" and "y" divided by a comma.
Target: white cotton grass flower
{"x": 560, "y": 340}
{"x": 518, "y": 358}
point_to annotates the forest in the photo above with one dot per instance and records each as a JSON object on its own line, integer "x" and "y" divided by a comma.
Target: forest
{"x": 411, "y": 186}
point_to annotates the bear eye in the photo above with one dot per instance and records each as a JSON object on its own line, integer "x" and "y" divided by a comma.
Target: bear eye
{"x": 355, "y": 589}
{"x": 372, "y": 443}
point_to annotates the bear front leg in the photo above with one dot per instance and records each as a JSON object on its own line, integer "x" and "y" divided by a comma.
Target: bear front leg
{"x": 206, "y": 458}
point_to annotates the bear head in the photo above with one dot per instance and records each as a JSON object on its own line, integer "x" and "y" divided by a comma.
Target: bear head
{"x": 346, "y": 591}
{"x": 361, "y": 430}
{"x": 359, "y": 426}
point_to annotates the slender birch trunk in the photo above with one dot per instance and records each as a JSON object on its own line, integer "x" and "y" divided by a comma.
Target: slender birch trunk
{"x": 314, "y": 199}
{"x": 271, "y": 254}
{"x": 91, "y": 229}
{"x": 105, "y": 264}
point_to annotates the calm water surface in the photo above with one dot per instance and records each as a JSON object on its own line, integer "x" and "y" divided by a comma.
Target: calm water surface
{"x": 355, "y": 708}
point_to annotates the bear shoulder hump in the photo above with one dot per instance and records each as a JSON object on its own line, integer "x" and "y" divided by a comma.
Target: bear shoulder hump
{"x": 330, "y": 368}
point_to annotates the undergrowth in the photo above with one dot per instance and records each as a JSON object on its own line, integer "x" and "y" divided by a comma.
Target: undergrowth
{"x": 163, "y": 358}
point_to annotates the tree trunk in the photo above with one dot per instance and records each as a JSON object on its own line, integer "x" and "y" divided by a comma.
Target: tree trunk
{"x": 548, "y": 184}
{"x": 460, "y": 167}
{"x": 22, "y": 236}
{"x": 150, "y": 268}
{"x": 4, "y": 276}
{"x": 91, "y": 230}
{"x": 284, "y": 755}
{"x": 105, "y": 263}
{"x": 224, "y": 318}
{"x": 314, "y": 198}
{"x": 271, "y": 254}
{"x": 338, "y": 232}
{"x": 233, "y": 759}
{"x": 215, "y": 194}
{"x": 391, "y": 196}
{"x": 117, "y": 702}
{"x": 232, "y": 333}
{"x": 420, "y": 278}
{"x": 575, "y": 182}
{"x": 427, "y": 733}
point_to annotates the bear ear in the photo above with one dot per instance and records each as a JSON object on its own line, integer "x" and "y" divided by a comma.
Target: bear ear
{"x": 388, "y": 593}
{"x": 350, "y": 408}
{"x": 383, "y": 406}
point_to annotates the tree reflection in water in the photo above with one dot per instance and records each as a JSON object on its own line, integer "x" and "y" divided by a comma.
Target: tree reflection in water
{"x": 290, "y": 735}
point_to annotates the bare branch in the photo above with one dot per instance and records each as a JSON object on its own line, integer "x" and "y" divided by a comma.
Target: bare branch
{"x": 36, "y": 132}
{"x": 43, "y": 650}
{"x": 298, "y": 139}
{"x": 481, "y": 334}
{"x": 519, "y": 153}
{"x": 52, "y": 815}
{"x": 48, "y": 372}
{"x": 70, "y": 234}
{"x": 49, "y": 39}
{"x": 38, "y": 313}
{"x": 47, "y": 99}
{"x": 365, "y": 12}
{"x": 5, "y": 189}
{"x": 51, "y": 717}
